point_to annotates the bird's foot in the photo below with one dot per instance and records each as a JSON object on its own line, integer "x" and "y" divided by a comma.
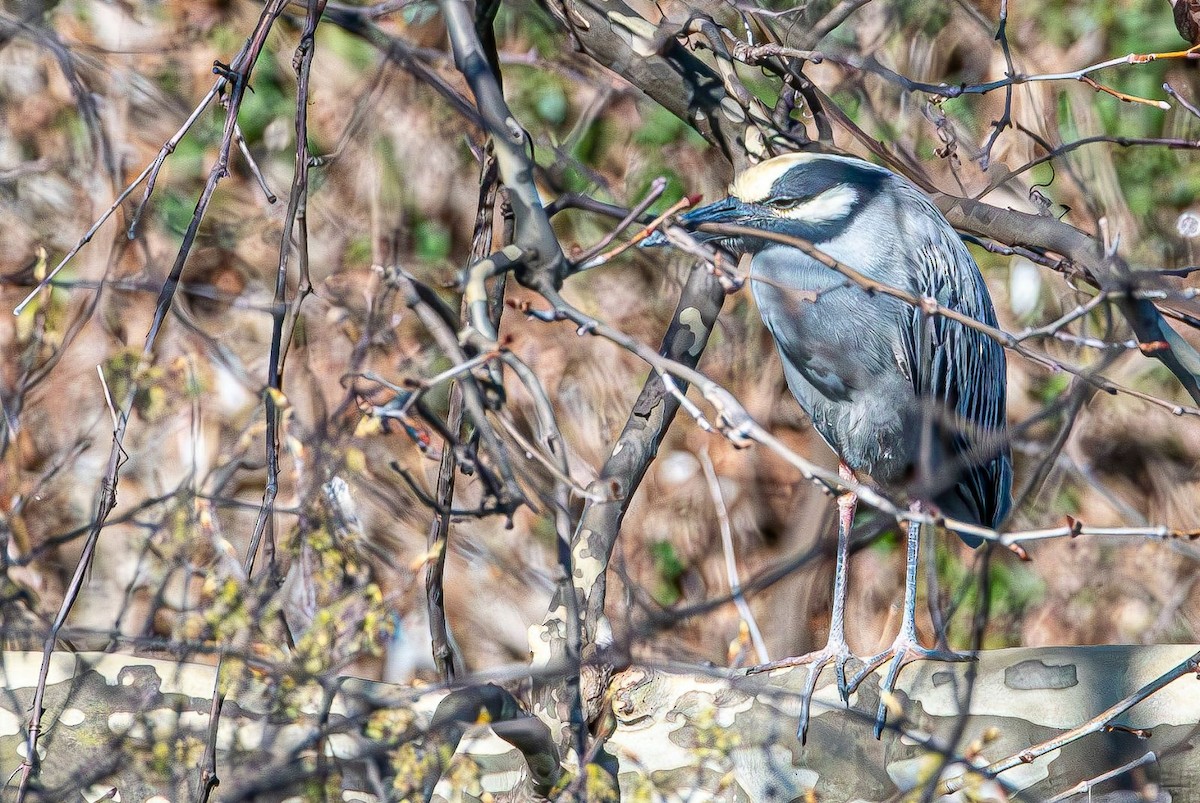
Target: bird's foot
{"x": 904, "y": 650}
{"x": 835, "y": 652}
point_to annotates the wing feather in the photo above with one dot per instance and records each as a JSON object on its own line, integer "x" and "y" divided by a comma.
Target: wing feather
{"x": 959, "y": 374}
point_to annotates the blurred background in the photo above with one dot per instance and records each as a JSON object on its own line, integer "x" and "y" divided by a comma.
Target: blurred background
{"x": 90, "y": 90}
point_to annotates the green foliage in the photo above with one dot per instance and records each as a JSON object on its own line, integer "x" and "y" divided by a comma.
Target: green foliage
{"x": 550, "y": 102}
{"x": 659, "y": 127}
{"x": 530, "y": 24}
{"x": 1042, "y": 175}
{"x": 589, "y": 141}
{"x": 390, "y": 174}
{"x": 669, "y": 568}
{"x": 431, "y": 241}
{"x": 194, "y": 386}
{"x": 674, "y": 190}
{"x": 1067, "y": 500}
{"x": 419, "y": 13}
{"x": 1182, "y": 187}
{"x": 1144, "y": 173}
{"x": 1138, "y": 26}
{"x": 437, "y": 398}
{"x": 1063, "y": 22}
{"x": 929, "y": 16}
{"x": 358, "y": 251}
{"x": 574, "y": 179}
{"x": 1051, "y": 387}
{"x": 536, "y": 96}
{"x": 43, "y": 319}
{"x": 544, "y": 530}
{"x": 1132, "y": 26}
{"x": 175, "y": 209}
{"x": 169, "y": 79}
{"x": 359, "y": 55}
{"x": 887, "y": 131}
{"x": 156, "y": 389}
{"x": 887, "y": 542}
{"x": 762, "y": 85}
{"x": 849, "y": 102}
{"x": 226, "y": 38}
{"x": 1012, "y": 587}
{"x": 1157, "y": 379}
{"x": 270, "y": 96}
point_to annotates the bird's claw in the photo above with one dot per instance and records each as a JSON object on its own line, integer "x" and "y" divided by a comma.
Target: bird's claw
{"x": 904, "y": 650}
{"x": 836, "y": 653}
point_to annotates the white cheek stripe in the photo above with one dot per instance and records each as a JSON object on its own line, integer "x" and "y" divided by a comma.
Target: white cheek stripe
{"x": 833, "y": 204}
{"x": 755, "y": 183}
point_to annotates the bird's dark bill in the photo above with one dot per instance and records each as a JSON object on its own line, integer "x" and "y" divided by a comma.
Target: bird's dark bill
{"x": 726, "y": 210}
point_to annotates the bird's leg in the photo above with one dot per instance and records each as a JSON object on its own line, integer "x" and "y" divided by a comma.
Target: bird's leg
{"x": 836, "y": 644}
{"x": 835, "y": 649}
{"x": 907, "y": 647}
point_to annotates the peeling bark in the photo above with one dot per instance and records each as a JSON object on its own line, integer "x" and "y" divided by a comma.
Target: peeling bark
{"x": 136, "y": 725}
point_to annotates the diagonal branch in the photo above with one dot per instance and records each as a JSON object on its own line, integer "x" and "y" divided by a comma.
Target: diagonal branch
{"x": 544, "y": 264}
{"x": 1111, "y": 273}
{"x": 631, "y": 456}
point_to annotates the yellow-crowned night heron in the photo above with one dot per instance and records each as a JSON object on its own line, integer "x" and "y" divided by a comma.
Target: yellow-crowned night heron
{"x": 913, "y": 401}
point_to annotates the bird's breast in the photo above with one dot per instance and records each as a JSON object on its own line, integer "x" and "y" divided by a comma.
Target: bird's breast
{"x": 838, "y": 345}
{"x": 824, "y": 324}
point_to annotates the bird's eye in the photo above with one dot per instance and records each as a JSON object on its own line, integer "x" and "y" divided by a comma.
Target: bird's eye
{"x": 784, "y": 204}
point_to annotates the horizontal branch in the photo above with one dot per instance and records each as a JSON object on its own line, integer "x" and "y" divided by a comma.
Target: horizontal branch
{"x": 670, "y": 734}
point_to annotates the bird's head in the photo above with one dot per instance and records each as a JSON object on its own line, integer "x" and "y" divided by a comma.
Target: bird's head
{"x": 810, "y": 195}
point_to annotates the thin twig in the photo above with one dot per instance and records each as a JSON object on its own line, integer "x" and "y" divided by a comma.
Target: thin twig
{"x": 753, "y": 54}
{"x": 1092, "y": 783}
{"x": 151, "y": 170}
{"x": 731, "y": 570}
{"x": 438, "y": 540}
{"x": 836, "y": 16}
{"x": 1188, "y": 666}
{"x": 1005, "y": 120}
{"x": 108, "y": 401}
{"x": 284, "y": 316}
{"x": 657, "y": 187}
{"x": 238, "y": 74}
{"x": 255, "y": 170}
{"x": 931, "y": 306}
{"x": 1181, "y": 100}
{"x": 733, "y": 421}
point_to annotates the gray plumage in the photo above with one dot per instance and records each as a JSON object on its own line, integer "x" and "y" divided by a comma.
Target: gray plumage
{"x": 915, "y": 401}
